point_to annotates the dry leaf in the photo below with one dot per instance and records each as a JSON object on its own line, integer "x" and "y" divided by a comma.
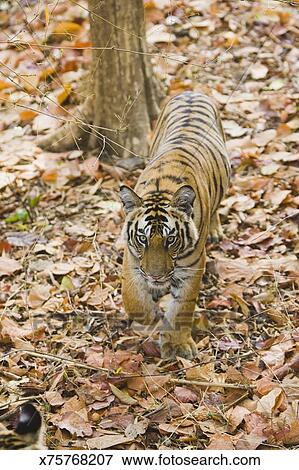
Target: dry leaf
{"x": 63, "y": 95}
{"x": 269, "y": 404}
{"x": 235, "y": 416}
{"x": 66, "y": 28}
{"x": 263, "y": 138}
{"x": 9, "y": 266}
{"x": 11, "y": 330}
{"x": 255, "y": 424}
{"x": 157, "y": 34}
{"x": 44, "y": 122}
{"x": 54, "y": 398}
{"x": 73, "y": 422}
{"x": 291, "y": 437}
{"x": 6, "y": 179}
{"x": 185, "y": 395}
{"x": 62, "y": 268}
{"x": 270, "y": 169}
{"x": 27, "y": 115}
{"x": 4, "y": 85}
{"x": 233, "y": 129}
{"x": 249, "y": 441}
{"x": 123, "y": 397}
{"x": 277, "y": 196}
{"x": 106, "y": 442}
{"x": 38, "y": 295}
{"x": 258, "y": 71}
{"x": 221, "y": 442}
{"x": 136, "y": 429}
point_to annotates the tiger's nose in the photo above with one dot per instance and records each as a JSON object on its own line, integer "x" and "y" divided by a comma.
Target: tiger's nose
{"x": 155, "y": 277}
{"x": 159, "y": 277}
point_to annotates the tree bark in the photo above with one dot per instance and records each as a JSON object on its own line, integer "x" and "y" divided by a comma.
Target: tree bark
{"x": 125, "y": 94}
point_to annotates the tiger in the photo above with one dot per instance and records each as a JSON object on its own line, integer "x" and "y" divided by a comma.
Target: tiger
{"x": 170, "y": 215}
{"x": 25, "y": 431}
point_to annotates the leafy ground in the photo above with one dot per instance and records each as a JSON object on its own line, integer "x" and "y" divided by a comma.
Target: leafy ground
{"x": 65, "y": 339}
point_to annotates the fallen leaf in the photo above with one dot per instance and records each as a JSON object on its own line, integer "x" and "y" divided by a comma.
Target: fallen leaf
{"x": 258, "y": 71}
{"x": 11, "y": 330}
{"x": 185, "y": 395}
{"x": 274, "y": 357}
{"x": 255, "y": 424}
{"x": 38, "y": 295}
{"x": 269, "y": 404}
{"x": 176, "y": 429}
{"x": 106, "y": 442}
{"x": 4, "y": 85}
{"x": 44, "y": 122}
{"x": 24, "y": 239}
{"x": 66, "y": 28}
{"x": 235, "y": 416}
{"x": 123, "y": 397}
{"x": 73, "y": 422}
{"x": 62, "y": 268}
{"x": 270, "y": 169}
{"x": 205, "y": 372}
{"x": 54, "y": 398}
{"x": 276, "y": 84}
{"x": 67, "y": 283}
{"x": 277, "y": 196}
{"x": 136, "y": 429}
{"x": 263, "y": 138}
{"x": 291, "y": 437}
{"x": 64, "y": 94}
{"x": 77, "y": 230}
{"x": 156, "y": 34}
{"x": 221, "y": 442}
{"x": 227, "y": 343}
{"x": 6, "y": 179}
{"x": 27, "y": 115}
{"x": 249, "y": 441}
{"x": 9, "y": 266}
{"x": 99, "y": 295}
{"x": 233, "y": 129}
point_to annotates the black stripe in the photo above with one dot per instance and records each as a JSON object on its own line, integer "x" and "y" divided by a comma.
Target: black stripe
{"x": 174, "y": 179}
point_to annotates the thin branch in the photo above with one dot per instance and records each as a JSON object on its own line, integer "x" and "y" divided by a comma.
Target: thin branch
{"x": 16, "y": 402}
{"x": 59, "y": 358}
{"x": 212, "y": 384}
{"x": 289, "y": 2}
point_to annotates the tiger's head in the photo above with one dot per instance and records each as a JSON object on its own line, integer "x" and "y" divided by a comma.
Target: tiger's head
{"x": 158, "y": 230}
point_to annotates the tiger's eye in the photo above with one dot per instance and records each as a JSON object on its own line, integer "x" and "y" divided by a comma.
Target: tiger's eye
{"x": 142, "y": 238}
{"x": 170, "y": 239}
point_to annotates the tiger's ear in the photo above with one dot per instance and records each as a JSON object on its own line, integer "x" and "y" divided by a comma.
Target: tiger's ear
{"x": 129, "y": 199}
{"x": 183, "y": 199}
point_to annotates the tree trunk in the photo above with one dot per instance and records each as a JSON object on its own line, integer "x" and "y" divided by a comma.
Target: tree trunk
{"x": 125, "y": 94}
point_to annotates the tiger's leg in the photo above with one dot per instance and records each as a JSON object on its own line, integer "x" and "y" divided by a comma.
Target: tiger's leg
{"x": 216, "y": 232}
{"x": 138, "y": 301}
{"x": 176, "y": 338}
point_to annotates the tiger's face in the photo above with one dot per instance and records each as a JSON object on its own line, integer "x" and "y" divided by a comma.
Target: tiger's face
{"x": 158, "y": 231}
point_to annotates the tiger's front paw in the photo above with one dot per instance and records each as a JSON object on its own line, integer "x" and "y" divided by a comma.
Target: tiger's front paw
{"x": 215, "y": 235}
{"x": 170, "y": 349}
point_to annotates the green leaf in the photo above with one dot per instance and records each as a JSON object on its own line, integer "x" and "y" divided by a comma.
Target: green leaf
{"x": 33, "y": 202}
{"x": 67, "y": 283}
{"x": 21, "y": 215}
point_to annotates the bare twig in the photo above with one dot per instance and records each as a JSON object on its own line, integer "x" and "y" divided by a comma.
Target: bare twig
{"x": 16, "y": 402}
{"x": 58, "y": 358}
{"x": 212, "y": 384}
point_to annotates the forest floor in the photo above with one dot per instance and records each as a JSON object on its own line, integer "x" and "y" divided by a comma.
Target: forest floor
{"x": 65, "y": 340}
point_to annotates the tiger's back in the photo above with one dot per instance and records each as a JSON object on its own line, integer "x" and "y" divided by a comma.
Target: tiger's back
{"x": 188, "y": 147}
{"x": 170, "y": 214}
